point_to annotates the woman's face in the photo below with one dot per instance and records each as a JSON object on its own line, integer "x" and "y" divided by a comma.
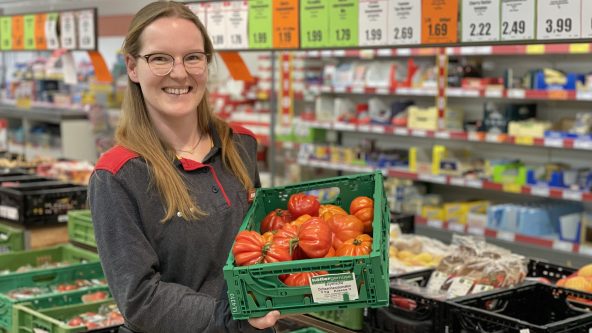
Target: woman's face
{"x": 175, "y": 95}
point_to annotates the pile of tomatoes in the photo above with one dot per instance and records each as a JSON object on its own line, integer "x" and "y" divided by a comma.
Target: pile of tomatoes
{"x": 307, "y": 230}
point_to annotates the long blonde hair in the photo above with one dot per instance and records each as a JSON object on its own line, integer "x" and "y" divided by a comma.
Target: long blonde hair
{"x": 137, "y": 133}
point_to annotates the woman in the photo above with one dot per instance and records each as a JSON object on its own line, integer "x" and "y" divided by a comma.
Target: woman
{"x": 168, "y": 200}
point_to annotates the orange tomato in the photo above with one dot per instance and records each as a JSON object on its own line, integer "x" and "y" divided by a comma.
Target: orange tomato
{"x": 344, "y": 227}
{"x": 326, "y": 211}
{"x": 363, "y": 208}
{"x": 359, "y": 246}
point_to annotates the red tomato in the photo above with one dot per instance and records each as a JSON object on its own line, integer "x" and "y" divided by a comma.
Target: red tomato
{"x": 300, "y": 204}
{"x": 287, "y": 235}
{"x": 359, "y": 246}
{"x": 344, "y": 227}
{"x": 275, "y": 252}
{"x": 326, "y": 211}
{"x": 94, "y": 297}
{"x": 301, "y": 279}
{"x": 315, "y": 238}
{"x": 275, "y": 220}
{"x": 248, "y": 248}
{"x": 76, "y": 321}
{"x": 363, "y": 208}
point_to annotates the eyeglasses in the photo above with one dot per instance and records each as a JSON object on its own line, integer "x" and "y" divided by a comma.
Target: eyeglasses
{"x": 162, "y": 64}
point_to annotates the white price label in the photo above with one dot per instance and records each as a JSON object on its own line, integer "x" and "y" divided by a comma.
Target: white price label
{"x": 372, "y": 22}
{"x": 507, "y": 236}
{"x": 480, "y": 20}
{"x": 456, "y": 181}
{"x": 539, "y": 191}
{"x": 384, "y": 53}
{"x": 377, "y": 128}
{"x": 68, "y": 30}
{"x": 460, "y": 286}
{"x": 492, "y": 137}
{"x": 516, "y": 93}
{"x": 558, "y": 19}
{"x": 456, "y": 227}
{"x": 404, "y": 23}
{"x": 216, "y": 20}
{"x": 583, "y": 144}
{"x": 436, "y": 281}
{"x": 479, "y": 288}
{"x": 493, "y": 92}
{"x": 333, "y": 288}
{"x": 438, "y": 179}
{"x": 442, "y": 135}
{"x": 518, "y": 19}
{"x": 583, "y": 95}
{"x": 236, "y": 28}
{"x": 586, "y": 250}
{"x": 525, "y": 330}
{"x": 86, "y": 30}
{"x": 554, "y": 142}
{"x": 364, "y": 128}
{"x": 63, "y": 218}
{"x": 51, "y": 32}
{"x": 435, "y": 224}
{"x": 474, "y": 136}
{"x": 562, "y": 246}
{"x": 475, "y": 183}
{"x": 586, "y": 23}
{"x": 358, "y": 90}
{"x": 476, "y": 231}
{"x": 9, "y": 212}
{"x": 572, "y": 195}
{"x": 420, "y": 133}
{"x": 401, "y": 131}
{"x": 199, "y": 9}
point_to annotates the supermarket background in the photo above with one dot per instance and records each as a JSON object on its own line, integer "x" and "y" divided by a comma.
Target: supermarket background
{"x": 477, "y": 113}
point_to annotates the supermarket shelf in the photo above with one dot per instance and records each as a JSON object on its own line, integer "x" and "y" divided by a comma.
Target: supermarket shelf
{"x": 575, "y": 144}
{"x": 31, "y": 152}
{"x": 541, "y": 191}
{"x": 334, "y": 166}
{"x": 563, "y": 253}
{"x": 511, "y": 94}
{"x": 48, "y": 115}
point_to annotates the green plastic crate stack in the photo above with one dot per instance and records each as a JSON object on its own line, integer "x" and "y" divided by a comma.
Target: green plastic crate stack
{"x": 11, "y": 239}
{"x": 80, "y": 228}
{"x": 255, "y": 290}
{"x": 83, "y": 264}
{"x": 55, "y": 319}
{"x": 352, "y": 319}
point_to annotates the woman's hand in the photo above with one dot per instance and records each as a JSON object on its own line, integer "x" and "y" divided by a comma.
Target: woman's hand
{"x": 266, "y": 321}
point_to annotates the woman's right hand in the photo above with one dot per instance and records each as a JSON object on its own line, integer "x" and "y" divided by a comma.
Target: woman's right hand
{"x": 266, "y": 321}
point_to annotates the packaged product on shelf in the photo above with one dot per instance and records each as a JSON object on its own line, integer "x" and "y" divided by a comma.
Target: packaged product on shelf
{"x": 496, "y": 121}
{"x": 379, "y": 74}
{"x": 409, "y": 253}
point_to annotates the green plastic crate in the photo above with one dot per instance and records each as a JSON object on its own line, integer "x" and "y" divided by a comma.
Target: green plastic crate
{"x": 26, "y": 319}
{"x": 88, "y": 267}
{"x": 80, "y": 227}
{"x": 255, "y": 290}
{"x": 308, "y": 330}
{"x": 11, "y": 239}
{"x": 352, "y": 319}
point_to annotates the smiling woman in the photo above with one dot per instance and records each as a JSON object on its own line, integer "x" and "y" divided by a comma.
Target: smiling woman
{"x": 172, "y": 194}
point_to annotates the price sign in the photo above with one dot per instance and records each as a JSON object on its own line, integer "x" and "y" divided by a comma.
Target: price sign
{"x": 236, "y": 28}
{"x": 86, "y": 30}
{"x": 439, "y": 22}
{"x": 216, "y": 24}
{"x": 343, "y": 24}
{"x": 314, "y": 23}
{"x": 199, "y": 9}
{"x": 6, "y": 33}
{"x": 68, "y": 30}
{"x": 480, "y": 20}
{"x": 18, "y": 33}
{"x": 285, "y": 24}
{"x": 558, "y": 19}
{"x": 51, "y": 31}
{"x": 586, "y": 19}
{"x": 518, "y": 19}
{"x": 39, "y": 33}
{"x": 404, "y": 22}
{"x": 260, "y": 24}
{"x": 29, "y": 32}
{"x": 372, "y": 22}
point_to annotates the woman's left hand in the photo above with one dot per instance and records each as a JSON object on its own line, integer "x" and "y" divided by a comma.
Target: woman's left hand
{"x": 266, "y": 321}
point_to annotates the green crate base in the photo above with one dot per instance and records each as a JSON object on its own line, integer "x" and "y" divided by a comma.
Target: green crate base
{"x": 352, "y": 319}
{"x": 54, "y": 319}
{"x": 11, "y": 239}
{"x": 255, "y": 290}
{"x": 308, "y": 330}
{"x": 80, "y": 228}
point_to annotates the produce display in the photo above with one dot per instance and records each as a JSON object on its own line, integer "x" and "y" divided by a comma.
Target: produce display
{"x": 25, "y": 293}
{"x": 409, "y": 252}
{"x": 107, "y": 316}
{"x": 307, "y": 230}
{"x": 581, "y": 280}
{"x": 45, "y": 265}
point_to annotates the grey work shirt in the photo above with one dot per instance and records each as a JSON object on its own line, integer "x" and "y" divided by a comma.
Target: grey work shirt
{"x": 167, "y": 277}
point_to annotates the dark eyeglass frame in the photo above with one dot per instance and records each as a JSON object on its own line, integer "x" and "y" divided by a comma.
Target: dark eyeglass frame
{"x": 147, "y": 56}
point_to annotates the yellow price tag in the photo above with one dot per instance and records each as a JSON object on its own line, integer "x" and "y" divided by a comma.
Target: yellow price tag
{"x": 579, "y": 48}
{"x": 557, "y": 94}
{"x": 524, "y": 140}
{"x": 535, "y": 49}
{"x": 512, "y": 188}
{"x": 23, "y": 102}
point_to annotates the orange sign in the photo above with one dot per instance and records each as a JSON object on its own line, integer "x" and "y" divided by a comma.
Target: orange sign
{"x": 18, "y": 33}
{"x": 439, "y": 21}
{"x": 40, "y": 32}
{"x": 102, "y": 73}
{"x": 285, "y": 24}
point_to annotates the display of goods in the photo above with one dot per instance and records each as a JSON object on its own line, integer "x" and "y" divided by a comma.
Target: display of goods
{"x": 359, "y": 279}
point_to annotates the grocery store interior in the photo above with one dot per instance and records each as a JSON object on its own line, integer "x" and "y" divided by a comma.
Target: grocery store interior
{"x": 458, "y": 133}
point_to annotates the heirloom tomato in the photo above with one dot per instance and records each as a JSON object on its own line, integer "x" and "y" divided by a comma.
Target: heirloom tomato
{"x": 344, "y": 227}
{"x": 275, "y": 220}
{"x": 315, "y": 238}
{"x": 300, "y": 204}
{"x": 359, "y": 246}
{"x": 301, "y": 279}
{"x": 268, "y": 236}
{"x": 248, "y": 248}
{"x": 363, "y": 208}
{"x": 300, "y": 220}
{"x": 326, "y": 211}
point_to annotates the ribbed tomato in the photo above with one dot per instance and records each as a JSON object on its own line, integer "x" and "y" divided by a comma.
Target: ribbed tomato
{"x": 300, "y": 220}
{"x": 359, "y": 246}
{"x": 300, "y": 204}
{"x": 248, "y": 248}
{"x": 326, "y": 211}
{"x": 301, "y": 279}
{"x": 275, "y": 220}
{"x": 268, "y": 236}
{"x": 363, "y": 208}
{"x": 344, "y": 227}
{"x": 315, "y": 238}
{"x": 275, "y": 252}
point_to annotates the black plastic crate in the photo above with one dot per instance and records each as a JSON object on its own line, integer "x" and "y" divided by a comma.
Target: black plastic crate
{"x": 12, "y": 180}
{"x": 12, "y": 172}
{"x": 41, "y": 202}
{"x": 532, "y": 307}
{"x": 383, "y": 320}
{"x": 549, "y": 271}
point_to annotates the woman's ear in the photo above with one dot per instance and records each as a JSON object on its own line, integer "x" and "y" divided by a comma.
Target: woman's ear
{"x": 131, "y": 65}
